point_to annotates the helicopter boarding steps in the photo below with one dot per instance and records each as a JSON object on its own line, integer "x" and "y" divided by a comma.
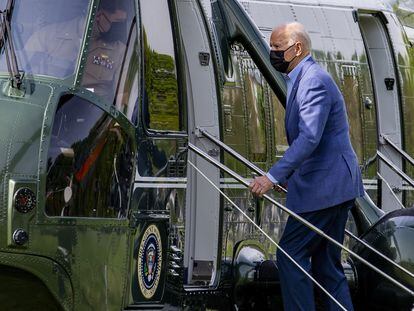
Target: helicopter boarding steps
{"x": 266, "y": 275}
{"x": 151, "y": 307}
{"x": 257, "y": 170}
{"x": 297, "y": 217}
{"x": 390, "y": 164}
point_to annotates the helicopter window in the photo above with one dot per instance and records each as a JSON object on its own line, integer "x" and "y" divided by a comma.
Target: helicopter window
{"x": 405, "y": 12}
{"x": 161, "y": 109}
{"x": 112, "y": 63}
{"x": 89, "y": 164}
{"x": 245, "y": 99}
{"x": 47, "y": 35}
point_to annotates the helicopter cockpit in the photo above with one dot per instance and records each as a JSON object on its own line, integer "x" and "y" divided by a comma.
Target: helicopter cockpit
{"x": 47, "y": 36}
{"x": 83, "y": 45}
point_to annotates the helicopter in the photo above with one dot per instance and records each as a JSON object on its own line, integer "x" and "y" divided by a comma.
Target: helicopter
{"x": 129, "y": 129}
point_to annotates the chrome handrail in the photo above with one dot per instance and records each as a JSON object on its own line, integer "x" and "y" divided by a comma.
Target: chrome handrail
{"x": 261, "y": 172}
{"x": 395, "y": 168}
{"x": 398, "y": 149}
{"x": 297, "y": 217}
{"x": 237, "y": 155}
{"x": 390, "y": 189}
{"x": 267, "y": 236}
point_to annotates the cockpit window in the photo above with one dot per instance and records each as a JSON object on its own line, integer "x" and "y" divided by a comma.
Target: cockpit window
{"x": 112, "y": 63}
{"x": 47, "y": 35}
{"x": 161, "y": 106}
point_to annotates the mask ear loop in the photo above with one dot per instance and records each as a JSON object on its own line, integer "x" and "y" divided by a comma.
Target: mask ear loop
{"x": 289, "y": 61}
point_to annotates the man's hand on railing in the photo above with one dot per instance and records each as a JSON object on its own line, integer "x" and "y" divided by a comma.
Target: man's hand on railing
{"x": 260, "y": 185}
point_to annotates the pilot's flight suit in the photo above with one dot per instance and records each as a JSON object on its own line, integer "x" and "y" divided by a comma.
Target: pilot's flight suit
{"x": 102, "y": 67}
{"x": 53, "y": 49}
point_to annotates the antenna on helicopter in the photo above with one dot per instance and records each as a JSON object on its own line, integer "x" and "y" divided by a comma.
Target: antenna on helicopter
{"x": 6, "y": 42}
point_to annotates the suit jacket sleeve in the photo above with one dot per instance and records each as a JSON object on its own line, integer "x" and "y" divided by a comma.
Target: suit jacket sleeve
{"x": 314, "y": 108}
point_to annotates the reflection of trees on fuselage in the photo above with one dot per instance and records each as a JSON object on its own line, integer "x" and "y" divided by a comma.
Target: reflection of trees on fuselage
{"x": 88, "y": 173}
{"x": 405, "y": 12}
{"x": 405, "y": 62}
{"x": 96, "y": 161}
{"x": 161, "y": 88}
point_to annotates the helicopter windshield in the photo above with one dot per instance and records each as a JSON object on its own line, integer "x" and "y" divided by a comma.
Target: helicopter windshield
{"x": 47, "y": 35}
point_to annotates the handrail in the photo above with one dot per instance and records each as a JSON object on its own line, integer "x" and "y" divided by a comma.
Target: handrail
{"x": 261, "y": 172}
{"x": 297, "y": 217}
{"x": 237, "y": 155}
{"x": 395, "y": 168}
{"x": 398, "y": 149}
{"x": 390, "y": 189}
{"x": 267, "y": 236}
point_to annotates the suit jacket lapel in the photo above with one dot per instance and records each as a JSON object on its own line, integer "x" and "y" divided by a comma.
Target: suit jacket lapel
{"x": 308, "y": 63}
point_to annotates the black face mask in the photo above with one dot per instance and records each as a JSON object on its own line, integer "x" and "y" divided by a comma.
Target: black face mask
{"x": 277, "y": 59}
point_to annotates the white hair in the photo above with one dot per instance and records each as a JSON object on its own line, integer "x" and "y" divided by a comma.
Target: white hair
{"x": 297, "y": 32}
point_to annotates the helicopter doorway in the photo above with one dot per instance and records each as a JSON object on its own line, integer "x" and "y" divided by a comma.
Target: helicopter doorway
{"x": 382, "y": 68}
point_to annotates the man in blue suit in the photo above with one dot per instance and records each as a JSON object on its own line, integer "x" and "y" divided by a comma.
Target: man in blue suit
{"x": 320, "y": 170}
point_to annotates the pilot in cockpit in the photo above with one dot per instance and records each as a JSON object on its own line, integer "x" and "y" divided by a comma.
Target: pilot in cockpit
{"x": 53, "y": 50}
{"x": 106, "y": 50}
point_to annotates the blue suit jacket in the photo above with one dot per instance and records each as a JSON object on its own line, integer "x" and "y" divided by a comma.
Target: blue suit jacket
{"x": 320, "y": 165}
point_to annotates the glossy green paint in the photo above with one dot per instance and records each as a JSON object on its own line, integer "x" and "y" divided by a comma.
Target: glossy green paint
{"x": 22, "y": 120}
{"x": 255, "y": 119}
{"x": 392, "y": 235}
{"x": 31, "y": 294}
{"x": 64, "y": 249}
{"x": 404, "y": 58}
{"x": 82, "y": 263}
{"x": 91, "y": 263}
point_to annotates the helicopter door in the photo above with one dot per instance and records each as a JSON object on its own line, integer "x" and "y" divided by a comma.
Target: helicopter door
{"x": 160, "y": 181}
{"x": 88, "y": 181}
{"x": 383, "y": 71}
{"x": 202, "y": 225}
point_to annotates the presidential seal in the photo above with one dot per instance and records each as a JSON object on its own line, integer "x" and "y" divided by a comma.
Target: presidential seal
{"x": 149, "y": 261}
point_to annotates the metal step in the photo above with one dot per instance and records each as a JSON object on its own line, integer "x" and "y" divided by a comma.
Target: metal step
{"x": 151, "y": 307}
